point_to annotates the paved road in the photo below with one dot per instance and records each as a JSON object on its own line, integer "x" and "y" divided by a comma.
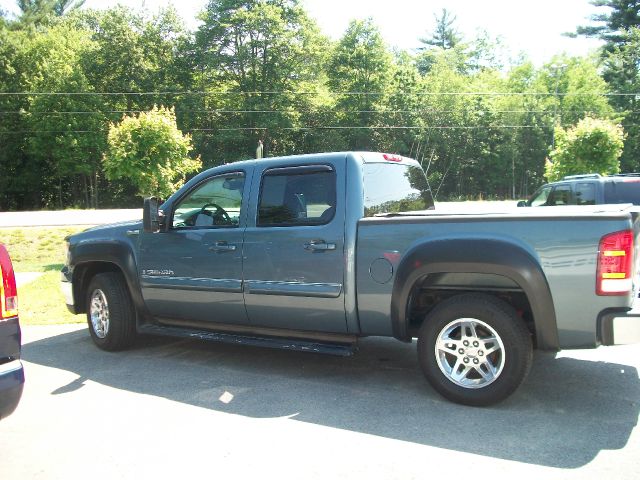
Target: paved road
{"x": 67, "y": 217}
{"x": 189, "y": 409}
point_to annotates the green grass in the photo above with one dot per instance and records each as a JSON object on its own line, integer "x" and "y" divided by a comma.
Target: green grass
{"x": 40, "y": 249}
{"x": 36, "y": 249}
{"x": 41, "y": 302}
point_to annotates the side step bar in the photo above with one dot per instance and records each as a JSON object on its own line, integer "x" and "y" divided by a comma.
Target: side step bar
{"x": 339, "y": 349}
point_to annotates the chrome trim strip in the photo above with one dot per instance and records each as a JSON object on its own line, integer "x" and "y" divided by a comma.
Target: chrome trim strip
{"x": 189, "y": 283}
{"x": 9, "y": 367}
{"x": 294, "y": 289}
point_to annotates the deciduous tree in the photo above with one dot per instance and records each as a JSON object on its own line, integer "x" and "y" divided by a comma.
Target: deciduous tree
{"x": 261, "y": 61}
{"x": 592, "y": 146}
{"x": 359, "y": 74}
{"x": 150, "y": 151}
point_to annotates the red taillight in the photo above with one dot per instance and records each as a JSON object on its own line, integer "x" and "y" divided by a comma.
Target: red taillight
{"x": 8, "y": 289}
{"x": 615, "y": 264}
{"x": 391, "y": 158}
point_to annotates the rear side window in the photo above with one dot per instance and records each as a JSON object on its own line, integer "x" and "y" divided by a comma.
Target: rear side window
{"x": 585, "y": 194}
{"x": 297, "y": 196}
{"x": 392, "y": 188}
{"x": 625, "y": 191}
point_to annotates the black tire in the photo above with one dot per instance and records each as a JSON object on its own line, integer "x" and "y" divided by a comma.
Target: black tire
{"x": 484, "y": 352}
{"x": 114, "y": 319}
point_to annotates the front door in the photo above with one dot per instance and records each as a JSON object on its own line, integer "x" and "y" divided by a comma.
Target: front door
{"x": 193, "y": 271}
{"x": 294, "y": 249}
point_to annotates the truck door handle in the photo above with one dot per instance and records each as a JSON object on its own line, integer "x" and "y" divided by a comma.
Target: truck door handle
{"x": 220, "y": 247}
{"x": 319, "y": 246}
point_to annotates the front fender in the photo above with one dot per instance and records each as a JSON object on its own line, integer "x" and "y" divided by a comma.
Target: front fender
{"x": 105, "y": 255}
{"x": 476, "y": 255}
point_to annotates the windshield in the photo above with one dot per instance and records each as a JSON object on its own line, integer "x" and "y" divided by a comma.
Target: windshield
{"x": 393, "y": 188}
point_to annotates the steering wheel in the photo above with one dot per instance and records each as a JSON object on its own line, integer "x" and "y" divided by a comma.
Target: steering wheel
{"x": 219, "y": 212}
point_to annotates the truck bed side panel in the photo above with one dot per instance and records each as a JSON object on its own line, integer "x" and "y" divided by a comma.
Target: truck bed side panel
{"x": 565, "y": 247}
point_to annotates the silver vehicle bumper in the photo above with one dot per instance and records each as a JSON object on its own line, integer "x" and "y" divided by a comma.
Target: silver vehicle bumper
{"x": 10, "y": 367}
{"x": 67, "y": 291}
{"x": 620, "y": 328}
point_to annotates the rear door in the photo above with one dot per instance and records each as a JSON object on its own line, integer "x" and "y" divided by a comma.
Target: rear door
{"x": 294, "y": 247}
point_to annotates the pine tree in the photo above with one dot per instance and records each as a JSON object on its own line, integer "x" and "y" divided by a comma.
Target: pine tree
{"x": 612, "y": 25}
{"x": 445, "y": 35}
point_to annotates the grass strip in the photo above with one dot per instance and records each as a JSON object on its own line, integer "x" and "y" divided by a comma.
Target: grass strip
{"x": 40, "y": 249}
{"x": 36, "y": 249}
{"x": 41, "y": 302}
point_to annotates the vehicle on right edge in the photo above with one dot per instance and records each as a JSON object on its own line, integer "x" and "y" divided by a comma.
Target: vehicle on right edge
{"x": 591, "y": 189}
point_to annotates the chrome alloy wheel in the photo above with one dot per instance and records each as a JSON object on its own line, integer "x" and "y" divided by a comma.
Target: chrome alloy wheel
{"x": 470, "y": 353}
{"x": 99, "y": 312}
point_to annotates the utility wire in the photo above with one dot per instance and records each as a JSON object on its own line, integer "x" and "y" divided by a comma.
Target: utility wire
{"x": 230, "y": 93}
{"x": 107, "y": 112}
{"x": 307, "y": 128}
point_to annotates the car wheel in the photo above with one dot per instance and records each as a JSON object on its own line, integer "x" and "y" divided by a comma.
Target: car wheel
{"x": 110, "y": 313}
{"x": 474, "y": 349}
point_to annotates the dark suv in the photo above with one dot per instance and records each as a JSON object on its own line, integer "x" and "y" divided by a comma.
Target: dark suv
{"x": 592, "y": 189}
{"x": 11, "y": 372}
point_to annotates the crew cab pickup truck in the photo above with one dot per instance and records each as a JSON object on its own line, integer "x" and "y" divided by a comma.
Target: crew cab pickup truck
{"x": 313, "y": 252}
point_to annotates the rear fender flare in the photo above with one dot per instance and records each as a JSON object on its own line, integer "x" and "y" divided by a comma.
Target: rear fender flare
{"x": 476, "y": 255}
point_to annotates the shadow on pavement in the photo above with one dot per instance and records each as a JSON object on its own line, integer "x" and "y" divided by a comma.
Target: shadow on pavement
{"x": 563, "y": 416}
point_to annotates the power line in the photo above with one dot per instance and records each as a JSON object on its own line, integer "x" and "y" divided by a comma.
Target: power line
{"x": 307, "y": 128}
{"x": 275, "y": 92}
{"x": 283, "y": 111}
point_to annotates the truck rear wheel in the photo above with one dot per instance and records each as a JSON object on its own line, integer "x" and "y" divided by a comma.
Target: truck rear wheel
{"x": 110, "y": 313}
{"x": 474, "y": 349}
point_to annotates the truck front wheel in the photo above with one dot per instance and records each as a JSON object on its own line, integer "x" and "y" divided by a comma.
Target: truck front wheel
{"x": 474, "y": 349}
{"x": 110, "y": 313}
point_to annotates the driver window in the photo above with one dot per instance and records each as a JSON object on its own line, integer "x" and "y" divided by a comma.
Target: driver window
{"x": 214, "y": 204}
{"x": 540, "y": 198}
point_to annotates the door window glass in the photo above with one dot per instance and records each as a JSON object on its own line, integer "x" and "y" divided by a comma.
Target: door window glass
{"x": 215, "y": 203}
{"x": 561, "y": 195}
{"x": 586, "y": 194}
{"x": 540, "y": 197}
{"x": 297, "y": 196}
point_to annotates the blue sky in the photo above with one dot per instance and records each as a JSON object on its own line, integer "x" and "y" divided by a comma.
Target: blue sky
{"x": 534, "y": 27}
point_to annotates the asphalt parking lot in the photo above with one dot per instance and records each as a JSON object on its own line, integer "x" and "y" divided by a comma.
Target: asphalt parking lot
{"x": 187, "y": 408}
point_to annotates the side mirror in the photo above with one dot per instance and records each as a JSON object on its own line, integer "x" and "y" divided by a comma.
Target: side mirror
{"x": 151, "y": 215}
{"x": 522, "y": 203}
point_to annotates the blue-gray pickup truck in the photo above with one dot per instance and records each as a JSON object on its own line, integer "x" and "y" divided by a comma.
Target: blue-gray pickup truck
{"x": 312, "y": 252}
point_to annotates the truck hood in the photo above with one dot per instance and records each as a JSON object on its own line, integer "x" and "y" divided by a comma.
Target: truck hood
{"x": 111, "y": 230}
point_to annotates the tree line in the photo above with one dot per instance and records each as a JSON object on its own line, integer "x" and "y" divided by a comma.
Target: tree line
{"x": 261, "y": 70}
